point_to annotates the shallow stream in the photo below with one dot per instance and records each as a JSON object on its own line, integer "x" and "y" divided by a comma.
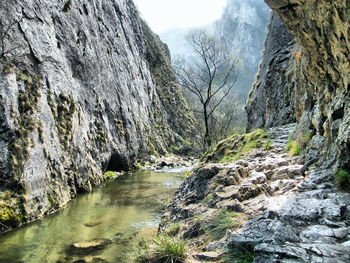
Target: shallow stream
{"x": 118, "y": 211}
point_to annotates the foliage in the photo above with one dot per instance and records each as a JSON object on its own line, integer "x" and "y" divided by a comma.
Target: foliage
{"x": 109, "y": 174}
{"x": 8, "y": 217}
{"x": 237, "y": 146}
{"x": 220, "y": 223}
{"x": 293, "y": 147}
{"x": 240, "y": 254}
{"x": 309, "y": 135}
{"x": 342, "y": 179}
{"x": 163, "y": 249}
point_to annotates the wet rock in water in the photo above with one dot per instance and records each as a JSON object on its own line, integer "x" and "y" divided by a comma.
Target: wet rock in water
{"x": 89, "y": 246}
{"x": 94, "y": 223}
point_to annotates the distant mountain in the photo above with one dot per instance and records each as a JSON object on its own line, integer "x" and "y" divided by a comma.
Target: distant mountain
{"x": 243, "y": 28}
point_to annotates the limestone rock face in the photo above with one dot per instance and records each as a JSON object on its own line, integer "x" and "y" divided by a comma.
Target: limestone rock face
{"x": 271, "y": 101}
{"x": 322, "y": 96}
{"x": 77, "y": 98}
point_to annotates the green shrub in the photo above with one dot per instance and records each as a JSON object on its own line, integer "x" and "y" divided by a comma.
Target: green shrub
{"x": 342, "y": 179}
{"x": 163, "y": 249}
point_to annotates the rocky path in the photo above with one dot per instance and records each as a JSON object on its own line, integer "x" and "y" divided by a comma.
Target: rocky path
{"x": 282, "y": 210}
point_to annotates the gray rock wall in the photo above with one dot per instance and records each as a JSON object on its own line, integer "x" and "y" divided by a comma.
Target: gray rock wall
{"x": 76, "y": 98}
{"x": 322, "y": 94}
{"x": 271, "y": 100}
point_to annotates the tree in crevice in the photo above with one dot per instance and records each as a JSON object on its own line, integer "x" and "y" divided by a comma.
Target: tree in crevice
{"x": 209, "y": 74}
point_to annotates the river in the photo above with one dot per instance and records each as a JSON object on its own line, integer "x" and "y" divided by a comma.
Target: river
{"x": 119, "y": 210}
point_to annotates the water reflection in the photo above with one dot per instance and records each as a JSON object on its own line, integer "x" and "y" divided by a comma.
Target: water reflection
{"x": 116, "y": 211}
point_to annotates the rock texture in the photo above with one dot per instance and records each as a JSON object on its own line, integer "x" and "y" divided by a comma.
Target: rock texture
{"x": 282, "y": 210}
{"x": 271, "y": 100}
{"x": 321, "y": 72}
{"x": 77, "y": 98}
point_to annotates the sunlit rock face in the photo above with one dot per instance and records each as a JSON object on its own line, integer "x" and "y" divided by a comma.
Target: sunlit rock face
{"x": 77, "y": 97}
{"x": 322, "y": 29}
{"x": 271, "y": 101}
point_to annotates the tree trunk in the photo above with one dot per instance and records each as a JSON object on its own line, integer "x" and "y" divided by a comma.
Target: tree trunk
{"x": 207, "y": 141}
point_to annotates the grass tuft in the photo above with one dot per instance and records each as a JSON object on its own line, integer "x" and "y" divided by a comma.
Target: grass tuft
{"x": 293, "y": 147}
{"x": 220, "y": 223}
{"x": 163, "y": 249}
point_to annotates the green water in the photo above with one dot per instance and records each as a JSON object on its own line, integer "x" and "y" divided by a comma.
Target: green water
{"x": 120, "y": 209}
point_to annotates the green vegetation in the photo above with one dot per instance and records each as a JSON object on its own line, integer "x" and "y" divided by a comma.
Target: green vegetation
{"x": 222, "y": 221}
{"x": 309, "y": 135}
{"x": 163, "y": 249}
{"x": 342, "y": 179}
{"x": 293, "y": 147}
{"x": 108, "y": 175}
{"x": 188, "y": 174}
{"x": 240, "y": 254}
{"x": 237, "y": 146}
{"x": 25, "y": 124}
{"x": 10, "y": 210}
{"x": 173, "y": 229}
{"x": 63, "y": 112}
{"x": 53, "y": 201}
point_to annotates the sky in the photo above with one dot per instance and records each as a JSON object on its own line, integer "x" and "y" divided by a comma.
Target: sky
{"x": 162, "y": 15}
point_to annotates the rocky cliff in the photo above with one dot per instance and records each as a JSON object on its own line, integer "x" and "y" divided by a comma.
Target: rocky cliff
{"x": 79, "y": 94}
{"x": 243, "y": 28}
{"x": 271, "y": 100}
{"x": 320, "y": 76}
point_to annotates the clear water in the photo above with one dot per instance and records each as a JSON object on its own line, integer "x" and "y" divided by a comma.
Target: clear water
{"x": 118, "y": 210}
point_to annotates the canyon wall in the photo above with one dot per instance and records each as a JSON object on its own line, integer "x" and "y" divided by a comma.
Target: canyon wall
{"x": 79, "y": 94}
{"x": 320, "y": 77}
{"x": 271, "y": 100}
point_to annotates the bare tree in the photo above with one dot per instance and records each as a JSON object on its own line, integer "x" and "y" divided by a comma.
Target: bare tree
{"x": 7, "y": 50}
{"x": 209, "y": 74}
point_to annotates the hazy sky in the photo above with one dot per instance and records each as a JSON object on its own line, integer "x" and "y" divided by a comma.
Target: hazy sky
{"x": 164, "y": 14}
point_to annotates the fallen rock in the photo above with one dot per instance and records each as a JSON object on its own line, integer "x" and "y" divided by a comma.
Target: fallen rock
{"x": 89, "y": 246}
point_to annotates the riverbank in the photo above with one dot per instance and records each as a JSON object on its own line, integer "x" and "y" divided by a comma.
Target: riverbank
{"x": 101, "y": 226}
{"x": 264, "y": 207}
